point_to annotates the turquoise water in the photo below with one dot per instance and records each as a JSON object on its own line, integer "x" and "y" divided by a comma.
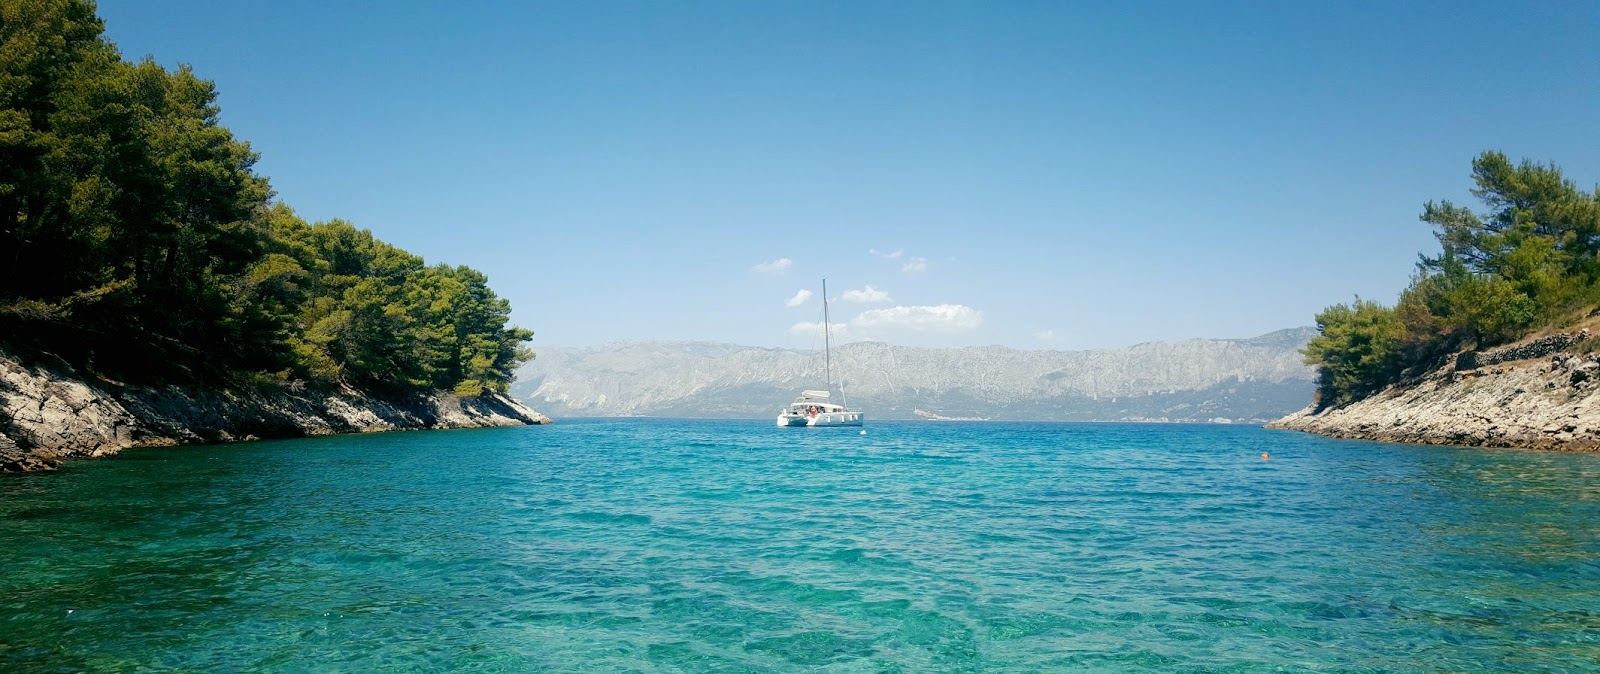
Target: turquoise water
{"x": 647, "y": 545}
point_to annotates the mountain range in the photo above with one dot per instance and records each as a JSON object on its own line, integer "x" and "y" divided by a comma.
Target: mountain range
{"x": 1220, "y": 380}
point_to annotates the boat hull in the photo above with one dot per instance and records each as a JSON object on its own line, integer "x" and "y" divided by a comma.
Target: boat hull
{"x": 785, "y": 420}
{"x": 831, "y": 419}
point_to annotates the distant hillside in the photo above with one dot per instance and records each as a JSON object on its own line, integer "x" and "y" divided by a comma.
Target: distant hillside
{"x": 1247, "y": 380}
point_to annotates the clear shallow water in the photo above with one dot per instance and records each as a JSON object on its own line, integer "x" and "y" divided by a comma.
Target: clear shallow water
{"x": 643, "y": 545}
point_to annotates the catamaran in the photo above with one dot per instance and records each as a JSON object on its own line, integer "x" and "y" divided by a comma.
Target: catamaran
{"x": 816, "y": 408}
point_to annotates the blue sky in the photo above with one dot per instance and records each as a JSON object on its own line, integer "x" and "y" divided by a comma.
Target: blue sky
{"x": 1039, "y": 175}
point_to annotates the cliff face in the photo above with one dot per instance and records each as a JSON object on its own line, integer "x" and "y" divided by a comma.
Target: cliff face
{"x": 49, "y": 414}
{"x": 1540, "y": 393}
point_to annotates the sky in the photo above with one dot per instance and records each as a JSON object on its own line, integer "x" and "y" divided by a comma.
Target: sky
{"x": 1036, "y": 175}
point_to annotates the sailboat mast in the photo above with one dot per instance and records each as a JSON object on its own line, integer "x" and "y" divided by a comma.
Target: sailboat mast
{"x": 827, "y": 347}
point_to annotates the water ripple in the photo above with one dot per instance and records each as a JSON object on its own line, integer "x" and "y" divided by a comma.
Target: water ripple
{"x": 661, "y": 546}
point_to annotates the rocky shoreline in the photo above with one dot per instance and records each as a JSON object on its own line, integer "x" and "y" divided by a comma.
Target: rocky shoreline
{"x": 50, "y": 414}
{"x": 1540, "y": 393}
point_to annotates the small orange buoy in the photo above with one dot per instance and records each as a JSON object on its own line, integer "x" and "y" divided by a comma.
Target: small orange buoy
{"x": 1265, "y": 456}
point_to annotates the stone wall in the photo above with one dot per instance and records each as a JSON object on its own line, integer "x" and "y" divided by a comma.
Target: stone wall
{"x": 1542, "y": 347}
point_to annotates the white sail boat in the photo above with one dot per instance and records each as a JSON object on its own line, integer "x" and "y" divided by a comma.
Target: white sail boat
{"x": 816, "y": 408}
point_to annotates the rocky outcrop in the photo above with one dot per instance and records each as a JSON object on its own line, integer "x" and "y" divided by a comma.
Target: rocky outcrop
{"x": 48, "y": 414}
{"x": 1540, "y": 393}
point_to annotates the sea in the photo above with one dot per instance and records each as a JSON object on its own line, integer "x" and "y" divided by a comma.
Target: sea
{"x": 668, "y": 545}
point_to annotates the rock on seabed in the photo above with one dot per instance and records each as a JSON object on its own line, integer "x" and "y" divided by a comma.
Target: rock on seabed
{"x": 1540, "y": 393}
{"x": 49, "y": 414}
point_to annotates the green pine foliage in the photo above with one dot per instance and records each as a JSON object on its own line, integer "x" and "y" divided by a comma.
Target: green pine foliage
{"x": 1358, "y": 350}
{"x": 136, "y": 240}
{"x": 1531, "y": 261}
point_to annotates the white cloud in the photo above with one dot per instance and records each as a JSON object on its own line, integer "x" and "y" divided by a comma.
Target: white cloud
{"x": 777, "y": 266}
{"x": 886, "y": 255}
{"x": 937, "y": 317}
{"x": 799, "y": 298}
{"x": 867, "y": 295}
{"x": 916, "y": 264}
{"x": 806, "y": 328}
{"x": 1046, "y": 335}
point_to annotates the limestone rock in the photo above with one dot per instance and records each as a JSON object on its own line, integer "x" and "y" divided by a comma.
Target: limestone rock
{"x": 49, "y": 413}
{"x": 1539, "y": 394}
